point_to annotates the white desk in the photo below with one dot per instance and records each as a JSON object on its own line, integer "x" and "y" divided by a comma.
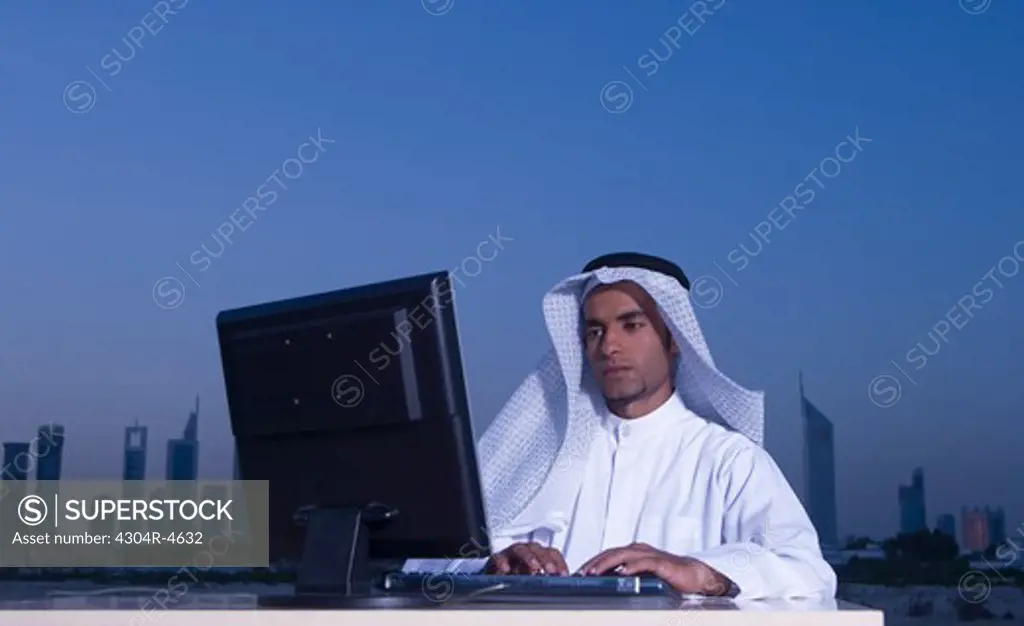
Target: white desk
{"x": 204, "y": 609}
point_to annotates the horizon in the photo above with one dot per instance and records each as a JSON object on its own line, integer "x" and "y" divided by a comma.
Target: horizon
{"x": 932, "y": 522}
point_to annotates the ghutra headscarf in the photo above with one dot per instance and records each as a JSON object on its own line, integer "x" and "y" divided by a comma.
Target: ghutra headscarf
{"x": 532, "y": 455}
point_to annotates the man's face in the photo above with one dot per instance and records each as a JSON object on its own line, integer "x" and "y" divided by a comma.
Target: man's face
{"x": 627, "y": 344}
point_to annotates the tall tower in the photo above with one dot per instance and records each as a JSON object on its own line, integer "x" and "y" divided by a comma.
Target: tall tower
{"x": 14, "y": 472}
{"x": 819, "y": 470}
{"x": 975, "y": 529}
{"x": 996, "y": 525}
{"x": 49, "y": 451}
{"x": 183, "y": 454}
{"x": 17, "y": 461}
{"x": 911, "y": 500}
{"x": 135, "y": 437}
{"x": 192, "y": 427}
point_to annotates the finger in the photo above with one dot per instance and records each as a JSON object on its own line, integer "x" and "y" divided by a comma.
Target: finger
{"x": 642, "y": 565}
{"x": 711, "y": 582}
{"x": 587, "y": 567}
{"x": 606, "y": 561}
{"x": 583, "y": 569}
{"x": 526, "y": 559}
{"x": 500, "y": 564}
{"x": 717, "y": 587}
{"x": 548, "y": 559}
{"x": 614, "y": 557}
{"x": 627, "y": 554}
{"x": 590, "y": 566}
{"x": 554, "y": 563}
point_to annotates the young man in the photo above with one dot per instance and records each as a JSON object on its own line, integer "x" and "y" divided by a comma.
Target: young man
{"x": 628, "y": 452}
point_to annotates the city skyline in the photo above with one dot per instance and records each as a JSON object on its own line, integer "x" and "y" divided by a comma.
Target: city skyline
{"x": 977, "y": 525}
{"x": 41, "y": 458}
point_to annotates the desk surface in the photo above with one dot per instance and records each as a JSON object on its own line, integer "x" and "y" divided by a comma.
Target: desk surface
{"x": 137, "y": 608}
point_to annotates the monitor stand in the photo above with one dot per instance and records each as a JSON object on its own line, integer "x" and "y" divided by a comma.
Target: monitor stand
{"x": 335, "y": 571}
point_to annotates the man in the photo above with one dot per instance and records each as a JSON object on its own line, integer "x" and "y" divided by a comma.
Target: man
{"x": 628, "y": 452}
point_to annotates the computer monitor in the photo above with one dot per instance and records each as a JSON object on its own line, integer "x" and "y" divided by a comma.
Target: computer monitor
{"x": 353, "y": 405}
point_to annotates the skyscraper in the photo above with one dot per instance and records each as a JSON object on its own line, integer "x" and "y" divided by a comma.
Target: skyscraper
{"x": 911, "y": 499}
{"x": 135, "y": 456}
{"x": 975, "y": 528}
{"x": 996, "y": 525}
{"x": 183, "y": 454}
{"x": 135, "y": 452}
{"x": 946, "y": 524}
{"x": 819, "y": 471}
{"x": 49, "y": 451}
{"x": 192, "y": 427}
{"x": 17, "y": 461}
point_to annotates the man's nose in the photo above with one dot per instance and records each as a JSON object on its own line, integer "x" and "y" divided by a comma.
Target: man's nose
{"x": 610, "y": 344}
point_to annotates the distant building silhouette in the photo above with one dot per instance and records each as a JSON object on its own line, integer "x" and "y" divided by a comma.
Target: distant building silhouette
{"x": 192, "y": 427}
{"x": 49, "y": 451}
{"x": 819, "y": 471}
{"x": 946, "y": 524}
{"x": 975, "y": 529}
{"x": 135, "y": 437}
{"x": 911, "y": 498}
{"x": 17, "y": 461}
{"x": 136, "y": 446}
{"x": 996, "y": 525}
{"x": 183, "y": 454}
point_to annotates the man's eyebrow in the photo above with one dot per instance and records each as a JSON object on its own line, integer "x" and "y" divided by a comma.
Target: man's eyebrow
{"x": 621, "y": 317}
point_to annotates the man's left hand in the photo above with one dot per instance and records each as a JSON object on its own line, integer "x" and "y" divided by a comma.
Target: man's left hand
{"x": 686, "y": 575}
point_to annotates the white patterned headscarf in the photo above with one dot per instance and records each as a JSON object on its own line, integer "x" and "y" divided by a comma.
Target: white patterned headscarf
{"x": 531, "y": 456}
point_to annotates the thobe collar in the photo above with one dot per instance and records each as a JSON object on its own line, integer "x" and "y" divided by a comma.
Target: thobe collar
{"x": 552, "y": 506}
{"x": 672, "y": 413}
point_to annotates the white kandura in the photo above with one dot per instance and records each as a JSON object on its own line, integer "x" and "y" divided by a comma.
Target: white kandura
{"x": 691, "y": 478}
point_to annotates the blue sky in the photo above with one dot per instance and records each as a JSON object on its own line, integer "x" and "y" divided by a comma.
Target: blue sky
{"x": 494, "y": 115}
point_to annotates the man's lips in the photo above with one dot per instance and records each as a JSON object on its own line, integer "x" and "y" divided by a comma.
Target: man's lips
{"x": 614, "y": 370}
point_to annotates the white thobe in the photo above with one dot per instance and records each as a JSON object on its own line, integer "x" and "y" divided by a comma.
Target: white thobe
{"x": 684, "y": 485}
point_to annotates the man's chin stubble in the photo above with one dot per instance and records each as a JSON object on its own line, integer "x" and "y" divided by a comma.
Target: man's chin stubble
{"x": 623, "y": 398}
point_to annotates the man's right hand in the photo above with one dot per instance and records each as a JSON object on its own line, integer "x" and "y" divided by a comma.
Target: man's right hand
{"x": 527, "y": 558}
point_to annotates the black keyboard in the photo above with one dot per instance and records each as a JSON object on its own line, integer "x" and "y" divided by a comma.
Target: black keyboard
{"x": 442, "y": 585}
